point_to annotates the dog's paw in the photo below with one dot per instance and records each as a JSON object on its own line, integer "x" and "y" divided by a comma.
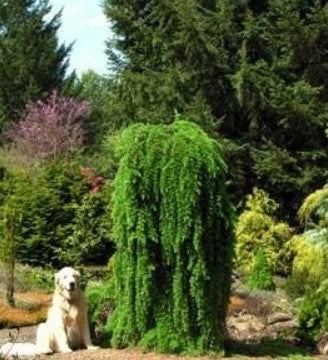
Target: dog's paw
{"x": 93, "y": 347}
{"x": 66, "y": 350}
{"x": 45, "y": 351}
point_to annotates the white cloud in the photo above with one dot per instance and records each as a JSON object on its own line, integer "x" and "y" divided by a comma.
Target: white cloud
{"x": 84, "y": 23}
{"x": 74, "y": 9}
{"x": 97, "y": 21}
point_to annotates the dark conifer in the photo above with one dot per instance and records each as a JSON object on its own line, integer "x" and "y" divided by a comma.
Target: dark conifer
{"x": 32, "y": 62}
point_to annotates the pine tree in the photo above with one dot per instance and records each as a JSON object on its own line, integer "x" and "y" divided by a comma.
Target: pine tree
{"x": 167, "y": 58}
{"x": 283, "y": 105}
{"x": 96, "y": 89}
{"x": 32, "y": 63}
{"x": 261, "y": 275}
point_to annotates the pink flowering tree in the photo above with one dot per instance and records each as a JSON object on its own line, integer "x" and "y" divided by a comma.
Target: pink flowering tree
{"x": 49, "y": 129}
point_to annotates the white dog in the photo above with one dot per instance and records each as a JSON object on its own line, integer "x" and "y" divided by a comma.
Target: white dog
{"x": 66, "y": 328}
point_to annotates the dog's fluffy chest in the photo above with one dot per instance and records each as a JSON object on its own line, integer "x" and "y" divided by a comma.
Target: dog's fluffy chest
{"x": 72, "y": 322}
{"x": 71, "y": 314}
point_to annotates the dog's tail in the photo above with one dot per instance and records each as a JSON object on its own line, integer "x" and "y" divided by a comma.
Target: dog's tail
{"x": 18, "y": 349}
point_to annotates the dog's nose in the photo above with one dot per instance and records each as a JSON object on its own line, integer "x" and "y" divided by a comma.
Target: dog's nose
{"x": 71, "y": 286}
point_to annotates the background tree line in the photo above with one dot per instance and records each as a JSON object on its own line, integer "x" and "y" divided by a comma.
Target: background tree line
{"x": 251, "y": 73}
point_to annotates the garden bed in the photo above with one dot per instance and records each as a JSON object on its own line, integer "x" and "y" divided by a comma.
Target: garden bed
{"x": 31, "y": 309}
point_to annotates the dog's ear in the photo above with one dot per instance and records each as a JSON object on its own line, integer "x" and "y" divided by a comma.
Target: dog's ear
{"x": 78, "y": 276}
{"x": 56, "y": 280}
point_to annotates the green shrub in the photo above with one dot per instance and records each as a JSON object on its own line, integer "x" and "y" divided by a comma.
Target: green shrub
{"x": 46, "y": 200}
{"x": 62, "y": 222}
{"x": 313, "y": 314}
{"x": 310, "y": 266}
{"x": 29, "y": 278}
{"x": 257, "y": 228}
{"x": 100, "y": 299}
{"x": 35, "y": 278}
{"x": 90, "y": 241}
{"x": 260, "y": 277}
{"x": 173, "y": 233}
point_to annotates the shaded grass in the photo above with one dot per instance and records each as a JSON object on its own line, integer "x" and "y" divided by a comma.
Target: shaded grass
{"x": 272, "y": 348}
{"x": 31, "y": 309}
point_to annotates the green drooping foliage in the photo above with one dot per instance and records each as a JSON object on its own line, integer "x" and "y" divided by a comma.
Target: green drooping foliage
{"x": 260, "y": 277}
{"x": 257, "y": 228}
{"x": 32, "y": 63}
{"x": 62, "y": 222}
{"x": 257, "y": 70}
{"x": 173, "y": 233}
{"x": 313, "y": 314}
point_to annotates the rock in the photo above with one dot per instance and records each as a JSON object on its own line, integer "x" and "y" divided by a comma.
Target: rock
{"x": 257, "y": 326}
{"x": 278, "y": 317}
{"x": 246, "y": 328}
{"x": 292, "y": 339}
{"x": 322, "y": 345}
{"x": 240, "y": 327}
{"x": 284, "y": 326}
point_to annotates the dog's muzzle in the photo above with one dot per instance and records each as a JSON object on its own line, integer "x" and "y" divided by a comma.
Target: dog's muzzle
{"x": 71, "y": 287}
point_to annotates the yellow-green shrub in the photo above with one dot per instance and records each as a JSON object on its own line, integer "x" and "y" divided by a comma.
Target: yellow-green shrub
{"x": 310, "y": 266}
{"x": 315, "y": 205}
{"x": 311, "y": 262}
{"x": 257, "y": 228}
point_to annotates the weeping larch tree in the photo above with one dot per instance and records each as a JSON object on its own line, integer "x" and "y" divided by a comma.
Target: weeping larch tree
{"x": 173, "y": 231}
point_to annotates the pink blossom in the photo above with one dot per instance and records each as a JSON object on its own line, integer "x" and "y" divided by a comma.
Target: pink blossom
{"x": 49, "y": 128}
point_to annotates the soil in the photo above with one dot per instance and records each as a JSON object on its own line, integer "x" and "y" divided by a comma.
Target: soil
{"x": 27, "y": 334}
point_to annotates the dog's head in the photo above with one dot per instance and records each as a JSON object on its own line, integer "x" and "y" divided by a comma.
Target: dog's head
{"x": 67, "y": 282}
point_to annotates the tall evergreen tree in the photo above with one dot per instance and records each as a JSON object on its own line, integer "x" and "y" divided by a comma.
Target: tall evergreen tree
{"x": 281, "y": 91}
{"x": 32, "y": 63}
{"x": 97, "y": 89}
{"x": 166, "y": 56}
{"x": 253, "y": 71}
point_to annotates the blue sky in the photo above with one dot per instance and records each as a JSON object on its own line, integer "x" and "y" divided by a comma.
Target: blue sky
{"x": 84, "y": 22}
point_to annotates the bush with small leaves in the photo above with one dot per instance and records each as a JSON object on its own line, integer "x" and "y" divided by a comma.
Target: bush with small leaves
{"x": 257, "y": 228}
{"x": 313, "y": 314}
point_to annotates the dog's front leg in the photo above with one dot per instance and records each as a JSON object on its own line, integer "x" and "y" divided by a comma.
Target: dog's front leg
{"x": 87, "y": 339}
{"x": 61, "y": 340}
{"x": 43, "y": 339}
{"x": 63, "y": 346}
{"x": 86, "y": 334}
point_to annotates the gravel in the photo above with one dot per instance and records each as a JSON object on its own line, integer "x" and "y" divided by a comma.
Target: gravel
{"x": 27, "y": 334}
